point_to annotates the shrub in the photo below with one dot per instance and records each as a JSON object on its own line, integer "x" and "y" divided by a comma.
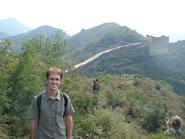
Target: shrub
{"x": 114, "y": 101}
{"x": 84, "y": 126}
{"x": 85, "y": 104}
{"x": 132, "y": 111}
{"x": 136, "y": 82}
{"x": 153, "y": 120}
{"x": 157, "y": 86}
{"x": 105, "y": 123}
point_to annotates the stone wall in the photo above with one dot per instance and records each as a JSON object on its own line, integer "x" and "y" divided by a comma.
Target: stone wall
{"x": 158, "y": 45}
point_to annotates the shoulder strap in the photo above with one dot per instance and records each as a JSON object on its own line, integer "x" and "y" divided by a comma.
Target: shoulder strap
{"x": 65, "y": 102}
{"x": 39, "y": 99}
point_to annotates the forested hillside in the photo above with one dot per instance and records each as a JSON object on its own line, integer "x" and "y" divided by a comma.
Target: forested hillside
{"x": 136, "y": 59}
{"x": 132, "y": 106}
{"x": 46, "y": 31}
{"x": 99, "y": 38}
{"x": 124, "y": 107}
{"x": 168, "y": 67}
{"x": 88, "y": 42}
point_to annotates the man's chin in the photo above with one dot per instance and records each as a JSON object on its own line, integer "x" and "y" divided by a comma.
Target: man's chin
{"x": 54, "y": 88}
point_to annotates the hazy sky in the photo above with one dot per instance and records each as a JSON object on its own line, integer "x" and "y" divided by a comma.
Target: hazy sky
{"x": 154, "y": 17}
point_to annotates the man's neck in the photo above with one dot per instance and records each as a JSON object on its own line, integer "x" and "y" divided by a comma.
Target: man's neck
{"x": 52, "y": 93}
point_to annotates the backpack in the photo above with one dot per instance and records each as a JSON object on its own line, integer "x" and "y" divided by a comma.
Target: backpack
{"x": 177, "y": 132}
{"x": 39, "y": 100}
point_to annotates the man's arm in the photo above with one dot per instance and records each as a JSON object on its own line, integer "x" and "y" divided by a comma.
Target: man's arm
{"x": 32, "y": 126}
{"x": 69, "y": 125}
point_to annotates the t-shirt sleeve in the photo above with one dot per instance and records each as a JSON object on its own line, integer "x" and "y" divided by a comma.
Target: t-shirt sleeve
{"x": 33, "y": 110}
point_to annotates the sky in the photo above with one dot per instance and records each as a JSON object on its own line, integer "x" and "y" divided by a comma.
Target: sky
{"x": 153, "y": 17}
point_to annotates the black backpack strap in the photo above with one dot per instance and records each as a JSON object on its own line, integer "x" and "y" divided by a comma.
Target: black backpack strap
{"x": 39, "y": 99}
{"x": 65, "y": 102}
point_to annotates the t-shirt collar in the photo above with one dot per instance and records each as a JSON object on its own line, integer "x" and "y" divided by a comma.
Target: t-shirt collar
{"x": 56, "y": 98}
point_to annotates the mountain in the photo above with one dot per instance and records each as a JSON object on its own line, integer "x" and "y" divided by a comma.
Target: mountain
{"x": 3, "y": 35}
{"x": 45, "y": 30}
{"x": 122, "y": 106}
{"x": 12, "y": 27}
{"x": 132, "y": 106}
{"x": 130, "y": 60}
{"x": 169, "y": 67}
{"x": 100, "y": 38}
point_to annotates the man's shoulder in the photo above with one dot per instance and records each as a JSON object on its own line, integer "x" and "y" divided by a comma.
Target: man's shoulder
{"x": 65, "y": 97}
{"x": 63, "y": 94}
{"x": 42, "y": 93}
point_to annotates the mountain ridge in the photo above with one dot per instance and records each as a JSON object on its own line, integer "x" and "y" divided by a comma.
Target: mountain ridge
{"x": 91, "y": 41}
{"x": 12, "y": 27}
{"x": 45, "y": 30}
{"x": 100, "y": 38}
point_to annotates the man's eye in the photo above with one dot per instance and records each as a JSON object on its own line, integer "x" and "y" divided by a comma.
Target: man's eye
{"x": 52, "y": 79}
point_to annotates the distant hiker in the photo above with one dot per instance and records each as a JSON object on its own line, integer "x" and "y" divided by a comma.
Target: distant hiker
{"x": 96, "y": 86}
{"x": 50, "y": 112}
{"x": 123, "y": 74}
{"x": 174, "y": 126}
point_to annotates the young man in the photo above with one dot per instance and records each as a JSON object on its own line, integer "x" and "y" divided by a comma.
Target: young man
{"x": 50, "y": 112}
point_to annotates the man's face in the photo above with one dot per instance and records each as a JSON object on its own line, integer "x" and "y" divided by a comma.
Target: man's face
{"x": 53, "y": 81}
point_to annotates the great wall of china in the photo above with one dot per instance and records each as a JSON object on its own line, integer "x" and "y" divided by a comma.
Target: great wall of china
{"x": 158, "y": 45}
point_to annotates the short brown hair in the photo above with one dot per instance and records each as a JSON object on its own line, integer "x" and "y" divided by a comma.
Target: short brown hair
{"x": 176, "y": 122}
{"x": 54, "y": 70}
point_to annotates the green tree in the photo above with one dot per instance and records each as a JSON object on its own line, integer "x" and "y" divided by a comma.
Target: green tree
{"x": 23, "y": 84}
{"x": 7, "y": 65}
{"x": 153, "y": 120}
{"x": 51, "y": 50}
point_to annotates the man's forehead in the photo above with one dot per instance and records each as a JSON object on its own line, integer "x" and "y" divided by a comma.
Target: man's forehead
{"x": 53, "y": 74}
